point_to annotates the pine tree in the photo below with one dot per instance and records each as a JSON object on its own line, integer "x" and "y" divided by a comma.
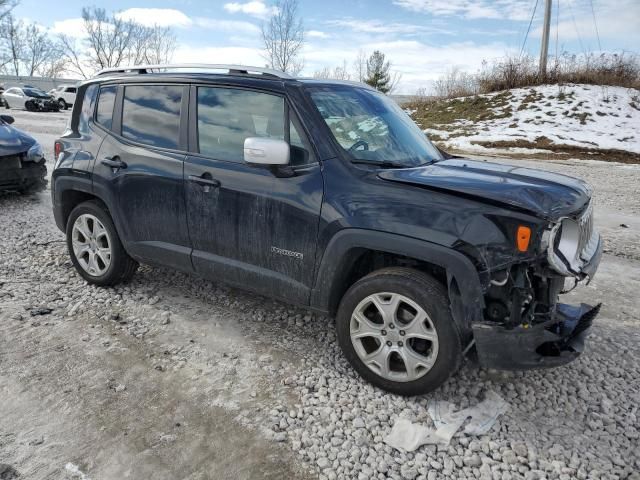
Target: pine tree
{"x": 378, "y": 75}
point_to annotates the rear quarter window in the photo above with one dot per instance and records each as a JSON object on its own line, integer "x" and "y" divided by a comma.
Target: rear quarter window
{"x": 106, "y": 101}
{"x": 151, "y": 114}
{"x": 88, "y": 106}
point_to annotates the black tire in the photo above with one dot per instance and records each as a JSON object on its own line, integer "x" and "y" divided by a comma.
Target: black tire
{"x": 431, "y": 296}
{"x": 30, "y": 107}
{"x": 122, "y": 266}
{"x": 62, "y": 104}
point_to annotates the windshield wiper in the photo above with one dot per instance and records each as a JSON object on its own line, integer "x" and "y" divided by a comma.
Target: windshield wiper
{"x": 382, "y": 164}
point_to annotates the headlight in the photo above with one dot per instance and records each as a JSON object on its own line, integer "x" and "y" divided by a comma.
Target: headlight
{"x": 568, "y": 241}
{"x": 35, "y": 153}
{"x": 571, "y": 243}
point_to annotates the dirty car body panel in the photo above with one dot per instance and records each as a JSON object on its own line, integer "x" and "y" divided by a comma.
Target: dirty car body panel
{"x": 297, "y": 233}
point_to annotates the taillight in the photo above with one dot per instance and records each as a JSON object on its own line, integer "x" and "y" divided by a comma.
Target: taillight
{"x": 58, "y": 148}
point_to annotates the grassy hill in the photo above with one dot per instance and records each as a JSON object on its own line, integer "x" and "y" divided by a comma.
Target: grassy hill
{"x": 568, "y": 121}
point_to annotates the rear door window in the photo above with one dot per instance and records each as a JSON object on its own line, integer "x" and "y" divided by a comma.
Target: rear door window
{"x": 226, "y": 117}
{"x": 151, "y": 114}
{"x": 106, "y": 101}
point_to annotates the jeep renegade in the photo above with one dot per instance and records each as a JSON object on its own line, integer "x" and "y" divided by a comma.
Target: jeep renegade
{"x": 326, "y": 194}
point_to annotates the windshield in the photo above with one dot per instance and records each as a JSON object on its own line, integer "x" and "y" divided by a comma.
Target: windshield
{"x": 372, "y": 128}
{"x": 34, "y": 92}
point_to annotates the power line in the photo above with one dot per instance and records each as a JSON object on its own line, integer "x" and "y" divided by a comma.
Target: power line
{"x": 595, "y": 24}
{"x": 521, "y": 27}
{"x": 529, "y": 28}
{"x": 575, "y": 26}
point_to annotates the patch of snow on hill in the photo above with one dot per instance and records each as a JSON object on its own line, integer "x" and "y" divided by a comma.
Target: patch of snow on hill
{"x": 585, "y": 116}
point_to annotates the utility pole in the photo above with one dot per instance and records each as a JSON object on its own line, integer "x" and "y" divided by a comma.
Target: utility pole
{"x": 544, "y": 49}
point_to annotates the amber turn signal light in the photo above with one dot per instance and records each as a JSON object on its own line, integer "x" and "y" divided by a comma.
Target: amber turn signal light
{"x": 522, "y": 238}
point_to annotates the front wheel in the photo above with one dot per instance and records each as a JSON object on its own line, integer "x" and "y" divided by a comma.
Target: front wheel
{"x": 95, "y": 248}
{"x": 396, "y": 329}
{"x": 62, "y": 104}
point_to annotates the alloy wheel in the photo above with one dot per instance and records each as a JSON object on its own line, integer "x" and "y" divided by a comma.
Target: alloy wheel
{"x": 91, "y": 245}
{"x": 394, "y": 337}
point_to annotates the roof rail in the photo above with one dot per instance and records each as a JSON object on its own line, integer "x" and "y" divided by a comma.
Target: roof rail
{"x": 231, "y": 69}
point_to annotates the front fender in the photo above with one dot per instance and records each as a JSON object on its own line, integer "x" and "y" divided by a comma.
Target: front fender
{"x": 463, "y": 283}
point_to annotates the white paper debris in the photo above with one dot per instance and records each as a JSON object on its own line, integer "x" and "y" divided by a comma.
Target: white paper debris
{"x": 75, "y": 471}
{"x": 409, "y": 436}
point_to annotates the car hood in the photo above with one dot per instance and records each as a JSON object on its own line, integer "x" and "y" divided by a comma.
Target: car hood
{"x": 545, "y": 194}
{"x": 13, "y": 141}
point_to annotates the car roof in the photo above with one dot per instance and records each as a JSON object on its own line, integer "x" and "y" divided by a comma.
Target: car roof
{"x": 255, "y": 77}
{"x": 251, "y": 81}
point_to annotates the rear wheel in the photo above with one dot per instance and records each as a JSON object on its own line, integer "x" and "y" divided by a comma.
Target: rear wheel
{"x": 396, "y": 329}
{"x": 95, "y": 248}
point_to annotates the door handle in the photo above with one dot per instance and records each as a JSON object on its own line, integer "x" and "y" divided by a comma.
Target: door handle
{"x": 205, "y": 180}
{"x": 113, "y": 162}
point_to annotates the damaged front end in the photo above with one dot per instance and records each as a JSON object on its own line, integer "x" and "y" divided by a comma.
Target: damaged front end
{"x": 524, "y": 325}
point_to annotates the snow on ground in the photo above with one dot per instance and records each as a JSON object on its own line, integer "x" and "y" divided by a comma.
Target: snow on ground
{"x": 585, "y": 116}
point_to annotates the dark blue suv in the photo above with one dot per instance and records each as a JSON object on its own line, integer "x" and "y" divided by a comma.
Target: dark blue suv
{"x": 325, "y": 194}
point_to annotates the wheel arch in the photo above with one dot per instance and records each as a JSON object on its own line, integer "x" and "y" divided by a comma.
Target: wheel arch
{"x": 68, "y": 193}
{"x": 341, "y": 266}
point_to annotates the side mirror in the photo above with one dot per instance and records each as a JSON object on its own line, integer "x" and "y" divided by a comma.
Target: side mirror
{"x": 266, "y": 151}
{"x": 7, "y": 119}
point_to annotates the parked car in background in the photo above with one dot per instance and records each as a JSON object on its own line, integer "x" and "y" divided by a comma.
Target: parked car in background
{"x": 325, "y": 194}
{"x": 22, "y": 162}
{"x": 3, "y": 103}
{"x": 30, "y": 98}
{"x": 65, "y": 95}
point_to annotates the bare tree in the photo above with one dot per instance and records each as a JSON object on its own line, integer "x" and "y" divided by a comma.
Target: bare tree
{"x": 55, "y": 63}
{"x": 360, "y": 66}
{"x": 338, "y": 73}
{"x": 341, "y": 72}
{"x": 6, "y": 6}
{"x": 13, "y": 36}
{"x": 283, "y": 37}
{"x": 37, "y": 48}
{"x": 112, "y": 41}
{"x": 325, "y": 72}
{"x": 108, "y": 37}
{"x": 152, "y": 45}
{"x": 72, "y": 55}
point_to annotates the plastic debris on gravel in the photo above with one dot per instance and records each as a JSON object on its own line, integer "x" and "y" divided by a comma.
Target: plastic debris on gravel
{"x": 409, "y": 436}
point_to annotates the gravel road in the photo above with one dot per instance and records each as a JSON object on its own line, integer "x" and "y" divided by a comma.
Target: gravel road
{"x": 173, "y": 377}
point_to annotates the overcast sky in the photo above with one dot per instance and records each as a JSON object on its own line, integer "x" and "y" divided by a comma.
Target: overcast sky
{"x": 422, "y": 38}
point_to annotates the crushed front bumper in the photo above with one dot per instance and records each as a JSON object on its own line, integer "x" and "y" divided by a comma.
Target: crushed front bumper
{"x": 549, "y": 344}
{"x": 27, "y": 176}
